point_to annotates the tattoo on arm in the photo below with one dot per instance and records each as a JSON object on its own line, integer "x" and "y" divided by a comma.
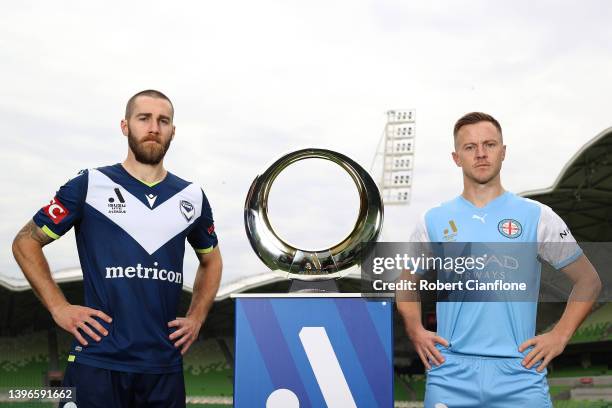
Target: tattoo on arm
{"x": 35, "y": 232}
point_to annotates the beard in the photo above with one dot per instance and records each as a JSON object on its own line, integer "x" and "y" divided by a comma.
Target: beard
{"x": 151, "y": 153}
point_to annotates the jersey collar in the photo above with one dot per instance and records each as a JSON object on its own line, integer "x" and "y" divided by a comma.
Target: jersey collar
{"x": 150, "y": 185}
{"x": 496, "y": 201}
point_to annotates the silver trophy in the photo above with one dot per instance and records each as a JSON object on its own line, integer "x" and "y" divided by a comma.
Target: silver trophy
{"x": 303, "y": 264}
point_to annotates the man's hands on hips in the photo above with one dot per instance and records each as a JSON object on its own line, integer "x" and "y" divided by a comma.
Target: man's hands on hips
{"x": 73, "y": 317}
{"x": 205, "y": 286}
{"x": 187, "y": 332}
{"x": 545, "y": 347}
{"x": 425, "y": 345}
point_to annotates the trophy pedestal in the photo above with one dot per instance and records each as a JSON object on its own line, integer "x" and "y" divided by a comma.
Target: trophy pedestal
{"x": 322, "y": 286}
{"x": 313, "y": 350}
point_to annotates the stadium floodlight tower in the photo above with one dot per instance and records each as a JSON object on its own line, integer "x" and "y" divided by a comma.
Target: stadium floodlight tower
{"x": 398, "y": 155}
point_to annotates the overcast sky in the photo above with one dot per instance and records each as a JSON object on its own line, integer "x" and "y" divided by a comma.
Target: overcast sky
{"x": 251, "y": 81}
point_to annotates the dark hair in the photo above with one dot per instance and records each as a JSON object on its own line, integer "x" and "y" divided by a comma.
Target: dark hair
{"x": 475, "y": 117}
{"x": 148, "y": 92}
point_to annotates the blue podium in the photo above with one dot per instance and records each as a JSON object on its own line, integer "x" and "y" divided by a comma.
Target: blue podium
{"x": 313, "y": 350}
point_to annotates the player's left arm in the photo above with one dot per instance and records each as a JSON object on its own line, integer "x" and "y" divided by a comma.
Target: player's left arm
{"x": 587, "y": 286}
{"x": 205, "y": 287}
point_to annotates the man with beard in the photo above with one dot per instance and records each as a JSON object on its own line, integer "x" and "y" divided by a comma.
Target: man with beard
{"x": 486, "y": 354}
{"x": 131, "y": 221}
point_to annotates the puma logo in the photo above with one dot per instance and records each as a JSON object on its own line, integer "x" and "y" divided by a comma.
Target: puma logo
{"x": 482, "y": 219}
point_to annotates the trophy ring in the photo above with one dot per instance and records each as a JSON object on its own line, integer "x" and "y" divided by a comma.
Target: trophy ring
{"x": 304, "y": 264}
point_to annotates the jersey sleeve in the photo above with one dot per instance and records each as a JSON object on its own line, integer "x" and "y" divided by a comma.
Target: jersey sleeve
{"x": 203, "y": 237}
{"x": 419, "y": 232}
{"x": 556, "y": 245}
{"x": 419, "y": 242}
{"x": 65, "y": 209}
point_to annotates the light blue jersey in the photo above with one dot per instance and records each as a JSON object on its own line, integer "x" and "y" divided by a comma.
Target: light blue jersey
{"x": 482, "y": 365}
{"x": 496, "y": 329}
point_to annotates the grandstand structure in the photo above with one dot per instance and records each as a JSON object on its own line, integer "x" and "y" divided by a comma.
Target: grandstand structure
{"x": 33, "y": 352}
{"x": 582, "y": 196}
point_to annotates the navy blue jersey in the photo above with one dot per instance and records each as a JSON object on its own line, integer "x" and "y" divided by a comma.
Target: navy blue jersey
{"x": 130, "y": 237}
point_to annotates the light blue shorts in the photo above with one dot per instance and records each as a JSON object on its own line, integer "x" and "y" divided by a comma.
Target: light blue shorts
{"x": 465, "y": 381}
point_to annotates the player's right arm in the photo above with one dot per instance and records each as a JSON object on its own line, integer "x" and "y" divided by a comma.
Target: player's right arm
{"x": 409, "y": 307}
{"x": 27, "y": 249}
{"x": 48, "y": 225}
{"x": 424, "y": 341}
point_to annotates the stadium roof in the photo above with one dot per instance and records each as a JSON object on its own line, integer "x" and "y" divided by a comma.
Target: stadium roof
{"x": 582, "y": 194}
{"x": 19, "y": 284}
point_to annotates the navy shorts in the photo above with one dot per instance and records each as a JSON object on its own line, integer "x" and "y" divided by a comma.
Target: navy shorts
{"x": 99, "y": 387}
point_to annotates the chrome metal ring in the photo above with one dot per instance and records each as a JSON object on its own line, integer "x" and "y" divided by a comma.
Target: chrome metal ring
{"x": 304, "y": 264}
